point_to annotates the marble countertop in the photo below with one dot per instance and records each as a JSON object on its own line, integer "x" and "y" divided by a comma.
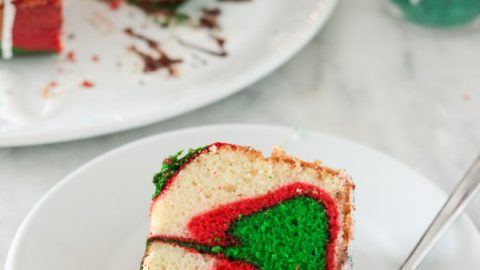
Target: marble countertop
{"x": 411, "y": 92}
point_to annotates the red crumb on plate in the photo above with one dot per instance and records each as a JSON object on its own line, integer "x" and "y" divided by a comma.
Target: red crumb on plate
{"x": 95, "y": 58}
{"x": 87, "y": 84}
{"x": 52, "y": 84}
{"x": 115, "y": 4}
{"x": 71, "y": 56}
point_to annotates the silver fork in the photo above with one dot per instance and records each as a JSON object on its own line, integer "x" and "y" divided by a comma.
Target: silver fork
{"x": 456, "y": 203}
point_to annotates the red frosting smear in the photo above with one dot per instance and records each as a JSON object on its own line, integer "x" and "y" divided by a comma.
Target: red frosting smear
{"x": 38, "y": 27}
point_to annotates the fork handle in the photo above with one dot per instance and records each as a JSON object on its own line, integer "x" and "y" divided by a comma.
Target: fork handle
{"x": 456, "y": 203}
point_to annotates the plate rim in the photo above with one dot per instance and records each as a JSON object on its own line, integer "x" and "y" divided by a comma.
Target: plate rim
{"x": 261, "y": 71}
{"x": 13, "y": 250}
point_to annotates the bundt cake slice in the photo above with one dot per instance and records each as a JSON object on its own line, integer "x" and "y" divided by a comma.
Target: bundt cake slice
{"x": 226, "y": 206}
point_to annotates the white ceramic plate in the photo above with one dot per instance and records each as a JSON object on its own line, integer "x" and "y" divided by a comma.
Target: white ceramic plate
{"x": 260, "y": 34}
{"x": 97, "y": 218}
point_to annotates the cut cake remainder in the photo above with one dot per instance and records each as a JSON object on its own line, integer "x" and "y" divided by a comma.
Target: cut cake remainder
{"x": 35, "y": 26}
{"x": 30, "y": 26}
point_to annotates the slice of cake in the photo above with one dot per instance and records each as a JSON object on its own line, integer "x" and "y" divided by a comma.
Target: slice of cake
{"x": 30, "y": 26}
{"x": 226, "y": 206}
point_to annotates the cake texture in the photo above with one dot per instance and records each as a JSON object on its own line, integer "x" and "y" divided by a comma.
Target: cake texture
{"x": 30, "y": 26}
{"x": 226, "y": 207}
